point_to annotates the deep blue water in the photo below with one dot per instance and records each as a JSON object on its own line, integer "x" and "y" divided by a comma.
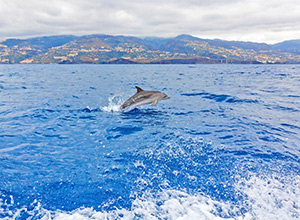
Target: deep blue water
{"x": 226, "y": 145}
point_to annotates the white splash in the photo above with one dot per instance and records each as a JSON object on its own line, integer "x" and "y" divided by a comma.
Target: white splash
{"x": 114, "y": 104}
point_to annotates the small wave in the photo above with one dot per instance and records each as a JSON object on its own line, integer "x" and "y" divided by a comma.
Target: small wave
{"x": 195, "y": 94}
{"x": 144, "y": 112}
{"x": 122, "y": 131}
{"x": 284, "y": 108}
{"x": 221, "y": 97}
{"x": 8, "y": 149}
{"x": 89, "y": 109}
{"x": 114, "y": 104}
{"x": 290, "y": 126}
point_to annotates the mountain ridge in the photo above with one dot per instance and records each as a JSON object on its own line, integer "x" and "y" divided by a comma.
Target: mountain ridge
{"x": 107, "y": 49}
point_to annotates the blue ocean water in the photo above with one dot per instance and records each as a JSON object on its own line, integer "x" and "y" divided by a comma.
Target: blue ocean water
{"x": 225, "y": 146}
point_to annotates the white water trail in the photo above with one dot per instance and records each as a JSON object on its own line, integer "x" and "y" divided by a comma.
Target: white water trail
{"x": 266, "y": 198}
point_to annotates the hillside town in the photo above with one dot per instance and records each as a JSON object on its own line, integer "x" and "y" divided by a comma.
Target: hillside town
{"x": 106, "y": 49}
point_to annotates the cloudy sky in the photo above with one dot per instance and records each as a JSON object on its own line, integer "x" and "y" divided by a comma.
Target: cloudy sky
{"x": 267, "y": 21}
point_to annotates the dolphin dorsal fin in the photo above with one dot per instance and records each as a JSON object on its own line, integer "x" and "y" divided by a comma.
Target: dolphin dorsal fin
{"x": 138, "y": 89}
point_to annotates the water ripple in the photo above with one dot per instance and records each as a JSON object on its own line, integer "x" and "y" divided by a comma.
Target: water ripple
{"x": 220, "y": 97}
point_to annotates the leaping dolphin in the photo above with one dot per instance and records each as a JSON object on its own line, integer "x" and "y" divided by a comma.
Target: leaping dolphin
{"x": 142, "y": 97}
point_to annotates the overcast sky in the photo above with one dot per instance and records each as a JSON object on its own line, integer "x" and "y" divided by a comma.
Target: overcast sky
{"x": 267, "y": 21}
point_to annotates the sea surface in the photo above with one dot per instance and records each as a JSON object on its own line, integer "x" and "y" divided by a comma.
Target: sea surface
{"x": 225, "y": 146}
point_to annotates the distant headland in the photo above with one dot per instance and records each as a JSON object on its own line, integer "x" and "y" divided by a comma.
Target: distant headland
{"x": 109, "y": 49}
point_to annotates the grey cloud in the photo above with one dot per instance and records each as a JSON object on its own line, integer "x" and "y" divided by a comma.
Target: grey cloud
{"x": 229, "y": 19}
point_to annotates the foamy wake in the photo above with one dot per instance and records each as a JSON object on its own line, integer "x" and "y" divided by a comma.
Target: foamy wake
{"x": 272, "y": 197}
{"x": 114, "y": 104}
{"x": 264, "y": 198}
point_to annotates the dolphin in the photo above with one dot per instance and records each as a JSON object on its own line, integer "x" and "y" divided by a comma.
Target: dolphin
{"x": 142, "y": 97}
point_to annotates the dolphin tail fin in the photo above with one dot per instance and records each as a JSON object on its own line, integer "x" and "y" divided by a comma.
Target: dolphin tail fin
{"x": 138, "y": 89}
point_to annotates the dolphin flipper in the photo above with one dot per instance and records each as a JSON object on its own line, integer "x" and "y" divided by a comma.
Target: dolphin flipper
{"x": 155, "y": 102}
